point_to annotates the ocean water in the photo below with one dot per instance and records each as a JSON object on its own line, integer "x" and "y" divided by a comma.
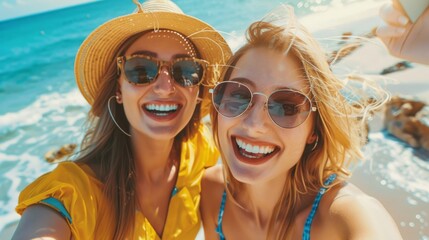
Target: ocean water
{"x": 42, "y": 109}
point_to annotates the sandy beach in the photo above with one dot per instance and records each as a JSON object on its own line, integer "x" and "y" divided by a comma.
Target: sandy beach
{"x": 394, "y": 173}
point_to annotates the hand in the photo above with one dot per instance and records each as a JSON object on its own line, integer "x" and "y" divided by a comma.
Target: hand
{"x": 403, "y": 38}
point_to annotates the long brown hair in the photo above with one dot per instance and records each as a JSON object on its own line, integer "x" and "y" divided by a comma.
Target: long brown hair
{"x": 110, "y": 150}
{"x": 338, "y": 130}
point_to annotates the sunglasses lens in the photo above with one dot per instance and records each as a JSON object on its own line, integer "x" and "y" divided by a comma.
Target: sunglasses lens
{"x": 140, "y": 70}
{"x": 231, "y": 99}
{"x": 187, "y": 73}
{"x": 288, "y": 109}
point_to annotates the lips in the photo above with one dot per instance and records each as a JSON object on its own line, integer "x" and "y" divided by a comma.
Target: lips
{"x": 251, "y": 152}
{"x": 162, "y": 111}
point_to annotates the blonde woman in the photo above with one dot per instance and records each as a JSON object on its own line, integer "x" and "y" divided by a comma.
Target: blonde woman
{"x": 286, "y": 134}
{"x": 138, "y": 173}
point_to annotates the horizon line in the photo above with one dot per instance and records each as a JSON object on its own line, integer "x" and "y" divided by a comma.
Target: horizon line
{"x": 47, "y": 11}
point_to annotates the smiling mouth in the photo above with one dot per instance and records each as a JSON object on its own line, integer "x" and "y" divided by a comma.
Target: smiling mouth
{"x": 253, "y": 153}
{"x": 161, "y": 110}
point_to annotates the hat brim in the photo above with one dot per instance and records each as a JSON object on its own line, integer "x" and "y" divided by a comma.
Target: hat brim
{"x": 98, "y": 50}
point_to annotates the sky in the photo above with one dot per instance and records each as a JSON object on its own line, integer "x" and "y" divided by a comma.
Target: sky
{"x": 17, "y": 8}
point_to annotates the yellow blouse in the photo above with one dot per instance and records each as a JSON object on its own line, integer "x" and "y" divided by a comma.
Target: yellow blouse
{"x": 77, "y": 188}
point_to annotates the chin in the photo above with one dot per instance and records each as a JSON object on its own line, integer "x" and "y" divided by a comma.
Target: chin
{"x": 248, "y": 174}
{"x": 162, "y": 133}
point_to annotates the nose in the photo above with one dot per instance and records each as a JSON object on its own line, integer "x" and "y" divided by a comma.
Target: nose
{"x": 164, "y": 85}
{"x": 256, "y": 120}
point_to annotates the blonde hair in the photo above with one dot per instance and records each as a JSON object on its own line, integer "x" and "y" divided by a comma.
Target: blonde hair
{"x": 338, "y": 121}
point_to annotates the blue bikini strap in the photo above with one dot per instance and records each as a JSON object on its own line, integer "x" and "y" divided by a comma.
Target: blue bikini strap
{"x": 307, "y": 226}
{"x": 220, "y": 216}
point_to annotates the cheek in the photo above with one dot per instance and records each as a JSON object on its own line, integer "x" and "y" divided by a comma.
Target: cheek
{"x": 128, "y": 90}
{"x": 223, "y": 128}
{"x": 221, "y": 122}
{"x": 129, "y": 98}
{"x": 300, "y": 136}
{"x": 191, "y": 96}
{"x": 192, "y": 93}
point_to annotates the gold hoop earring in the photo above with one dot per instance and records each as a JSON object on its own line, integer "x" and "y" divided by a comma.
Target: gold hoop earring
{"x": 315, "y": 144}
{"x": 111, "y": 115}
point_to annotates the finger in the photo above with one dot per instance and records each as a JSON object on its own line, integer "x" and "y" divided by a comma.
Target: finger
{"x": 389, "y": 31}
{"x": 392, "y": 15}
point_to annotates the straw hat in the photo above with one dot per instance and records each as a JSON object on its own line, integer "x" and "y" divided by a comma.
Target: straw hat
{"x": 99, "y": 48}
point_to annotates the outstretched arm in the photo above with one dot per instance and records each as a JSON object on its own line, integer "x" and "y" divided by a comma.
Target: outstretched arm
{"x": 42, "y": 222}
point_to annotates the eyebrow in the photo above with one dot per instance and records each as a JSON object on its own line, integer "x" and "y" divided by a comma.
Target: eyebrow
{"x": 144, "y": 52}
{"x": 252, "y": 84}
{"x": 243, "y": 80}
{"x": 181, "y": 55}
{"x": 154, "y": 54}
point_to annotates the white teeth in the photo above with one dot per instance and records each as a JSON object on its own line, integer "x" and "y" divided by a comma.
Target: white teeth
{"x": 162, "y": 107}
{"x": 248, "y": 155}
{"x": 254, "y": 148}
{"x": 249, "y": 148}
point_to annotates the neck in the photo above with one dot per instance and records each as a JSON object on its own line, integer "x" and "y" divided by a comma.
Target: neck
{"x": 260, "y": 199}
{"x": 154, "y": 159}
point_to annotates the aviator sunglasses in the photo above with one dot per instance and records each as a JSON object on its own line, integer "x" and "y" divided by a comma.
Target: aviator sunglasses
{"x": 143, "y": 69}
{"x": 287, "y": 108}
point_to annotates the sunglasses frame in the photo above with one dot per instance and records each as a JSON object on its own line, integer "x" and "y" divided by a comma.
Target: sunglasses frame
{"x": 121, "y": 60}
{"x": 312, "y": 108}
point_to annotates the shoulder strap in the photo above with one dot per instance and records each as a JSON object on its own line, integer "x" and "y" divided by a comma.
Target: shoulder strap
{"x": 220, "y": 216}
{"x": 57, "y": 205}
{"x": 307, "y": 226}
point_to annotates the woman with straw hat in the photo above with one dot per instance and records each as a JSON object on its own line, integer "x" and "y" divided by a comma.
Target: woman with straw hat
{"x": 286, "y": 135}
{"x": 141, "y": 161}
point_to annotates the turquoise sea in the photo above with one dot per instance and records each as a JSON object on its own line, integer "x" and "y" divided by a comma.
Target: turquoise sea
{"x": 41, "y": 107}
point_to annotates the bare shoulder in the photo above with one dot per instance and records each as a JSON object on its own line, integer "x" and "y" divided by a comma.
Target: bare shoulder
{"x": 212, "y": 185}
{"x": 51, "y": 226}
{"x": 213, "y": 175}
{"x": 360, "y": 215}
{"x": 212, "y": 188}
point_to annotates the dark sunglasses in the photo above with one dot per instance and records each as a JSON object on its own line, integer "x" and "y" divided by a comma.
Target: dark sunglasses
{"x": 287, "y": 108}
{"x": 143, "y": 69}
